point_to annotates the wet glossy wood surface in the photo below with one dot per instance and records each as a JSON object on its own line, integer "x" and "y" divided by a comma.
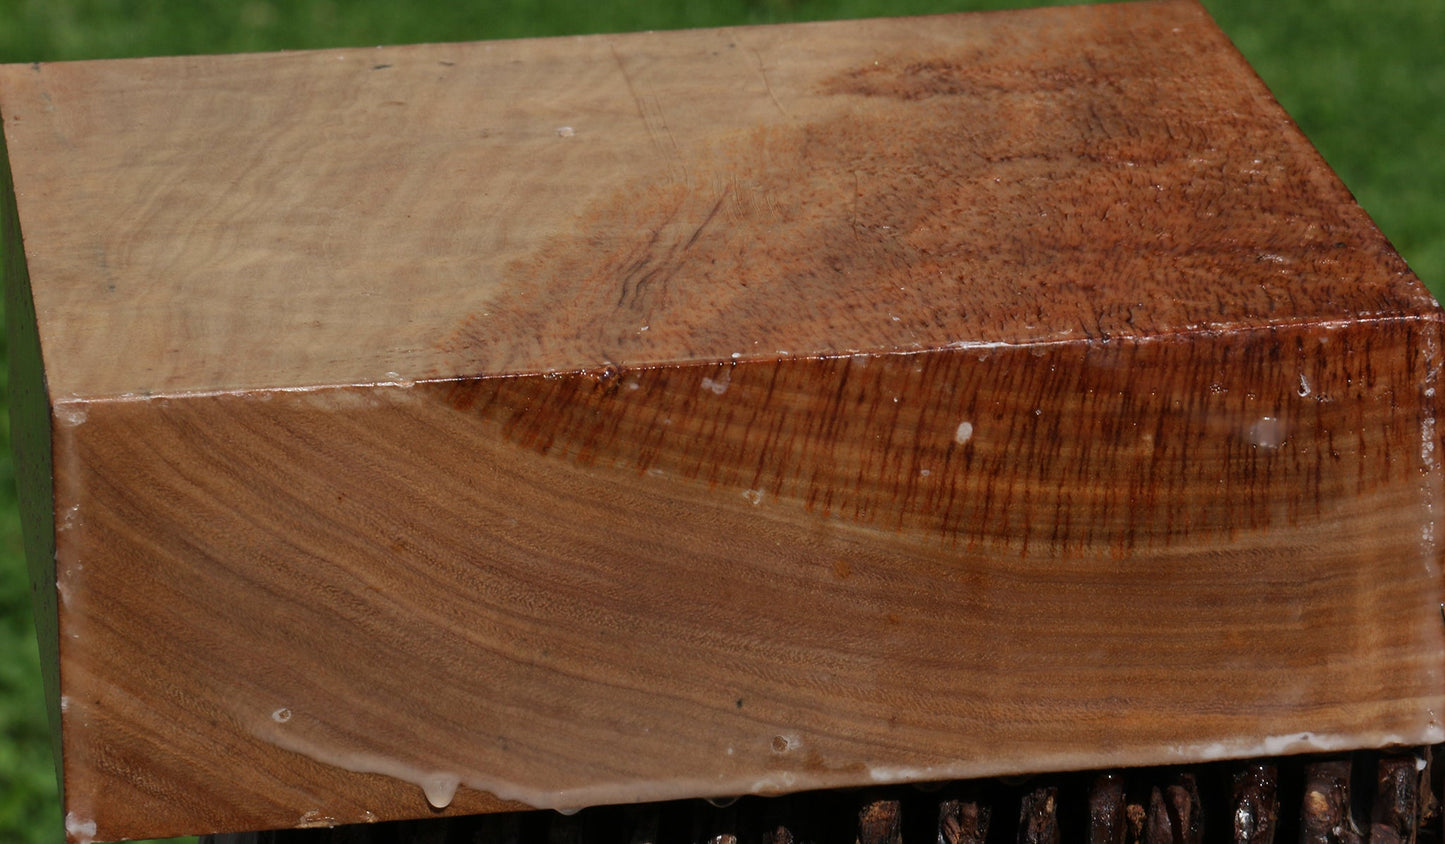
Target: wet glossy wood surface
{"x": 691, "y": 414}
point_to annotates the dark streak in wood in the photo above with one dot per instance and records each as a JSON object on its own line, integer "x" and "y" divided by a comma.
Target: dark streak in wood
{"x": 1069, "y": 468}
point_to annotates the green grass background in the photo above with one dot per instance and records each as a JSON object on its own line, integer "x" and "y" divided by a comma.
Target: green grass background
{"x": 1365, "y": 80}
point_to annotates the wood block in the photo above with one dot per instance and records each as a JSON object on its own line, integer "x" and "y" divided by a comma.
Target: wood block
{"x": 564, "y": 422}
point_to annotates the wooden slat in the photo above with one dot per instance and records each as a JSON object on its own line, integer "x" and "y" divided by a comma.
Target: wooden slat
{"x": 1175, "y": 813}
{"x": 1039, "y": 817}
{"x": 1256, "y": 804}
{"x": 1326, "y": 816}
{"x": 963, "y": 821}
{"x": 1108, "y": 823}
{"x": 328, "y": 218}
{"x": 884, "y": 813}
{"x": 880, "y": 822}
{"x": 555, "y": 423}
{"x": 1396, "y": 808}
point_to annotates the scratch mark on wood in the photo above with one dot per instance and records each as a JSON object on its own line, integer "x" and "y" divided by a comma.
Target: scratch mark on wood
{"x": 763, "y": 72}
{"x": 632, "y": 91}
{"x": 716, "y": 206}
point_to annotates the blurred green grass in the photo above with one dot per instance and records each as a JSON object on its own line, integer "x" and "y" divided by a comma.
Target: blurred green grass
{"x": 1364, "y": 80}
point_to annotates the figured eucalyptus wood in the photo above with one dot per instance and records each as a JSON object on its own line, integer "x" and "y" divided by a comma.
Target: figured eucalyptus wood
{"x": 634, "y": 417}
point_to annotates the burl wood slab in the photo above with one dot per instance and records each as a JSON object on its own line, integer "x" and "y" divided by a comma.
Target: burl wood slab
{"x": 622, "y": 418}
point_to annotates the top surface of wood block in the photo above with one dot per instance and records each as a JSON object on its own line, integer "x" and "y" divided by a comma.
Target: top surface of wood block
{"x": 737, "y": 543}
{"x": 411, "y": 213}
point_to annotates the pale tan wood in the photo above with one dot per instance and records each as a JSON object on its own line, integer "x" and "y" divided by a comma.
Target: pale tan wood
{"x": 332, "y": 217}
{"x": 690, "y": 414}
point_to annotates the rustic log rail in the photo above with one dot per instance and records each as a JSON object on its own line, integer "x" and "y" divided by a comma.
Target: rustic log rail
{"x": 471, "y": 428}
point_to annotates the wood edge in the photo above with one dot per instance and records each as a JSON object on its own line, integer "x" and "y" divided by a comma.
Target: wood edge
{"x": 1432, "y": 444}
{"x": 1427, "y": 324}
{"x": 1187, "y": 11}
{"x": 31, "y": 442}
{"x": 1429, "y": 312}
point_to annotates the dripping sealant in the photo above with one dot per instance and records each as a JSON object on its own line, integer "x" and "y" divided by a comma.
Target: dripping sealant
{"x": 440, "y": 784}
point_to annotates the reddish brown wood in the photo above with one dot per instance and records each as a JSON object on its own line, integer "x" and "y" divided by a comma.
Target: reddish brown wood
{"x": 628, "y": 418}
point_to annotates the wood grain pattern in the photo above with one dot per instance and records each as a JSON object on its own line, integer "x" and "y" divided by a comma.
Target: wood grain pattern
{"x": 634, "y": 417}
{"x": 332, "y": 217}
{"x": 963, "y": 821}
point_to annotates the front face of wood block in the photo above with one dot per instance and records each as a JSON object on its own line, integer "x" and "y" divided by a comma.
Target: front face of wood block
{"x": 644, "y": 584}
{"x": 599, "y": 420}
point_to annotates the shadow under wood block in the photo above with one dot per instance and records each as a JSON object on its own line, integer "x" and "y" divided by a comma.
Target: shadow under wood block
{"x": 452, "y": 428}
